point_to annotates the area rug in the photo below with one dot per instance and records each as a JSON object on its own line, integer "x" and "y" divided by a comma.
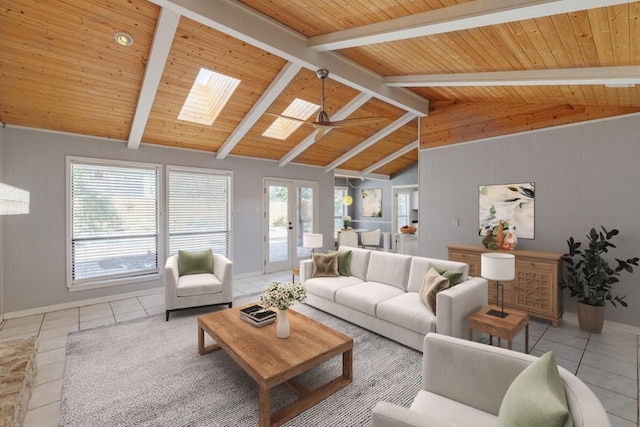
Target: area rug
{"x": 147, "y": 372}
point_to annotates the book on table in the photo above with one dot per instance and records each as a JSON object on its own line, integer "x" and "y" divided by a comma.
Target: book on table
{"x": 258, "y": 324}
{"x": 257, "y": 314}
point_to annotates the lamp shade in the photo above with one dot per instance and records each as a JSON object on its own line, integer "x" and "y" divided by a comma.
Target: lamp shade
{"x": 347, "y": 200}
{"x": 498, "y": 266}
{"x": 311, "y": 240}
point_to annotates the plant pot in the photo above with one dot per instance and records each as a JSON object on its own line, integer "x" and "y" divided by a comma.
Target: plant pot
{"x": 591, "y": 317}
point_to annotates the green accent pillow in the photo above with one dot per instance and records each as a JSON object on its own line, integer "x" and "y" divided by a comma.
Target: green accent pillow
{"x": 344, "y": 261}
{"x": 195, "y": 262}
{"x": 454, "y": 277}
{"x": 536, "y": 397}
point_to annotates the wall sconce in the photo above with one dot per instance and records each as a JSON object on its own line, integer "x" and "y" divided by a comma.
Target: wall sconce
{"x": 13, "y": 200}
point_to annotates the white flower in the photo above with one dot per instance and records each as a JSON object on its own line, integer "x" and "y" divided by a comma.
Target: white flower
{"x": 346, "y": 218}
{"x": 282, "y": 295}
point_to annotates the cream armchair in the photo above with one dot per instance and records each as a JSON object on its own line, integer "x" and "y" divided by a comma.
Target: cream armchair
{"x": 194, "y": 290}
{"x": 464, "y": 382}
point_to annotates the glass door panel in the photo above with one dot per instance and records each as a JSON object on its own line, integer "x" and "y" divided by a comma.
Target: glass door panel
{"x": 278, "y": 227}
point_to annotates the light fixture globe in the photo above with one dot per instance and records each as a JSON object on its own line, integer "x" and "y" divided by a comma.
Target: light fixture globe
{"x": 347, "y": 200}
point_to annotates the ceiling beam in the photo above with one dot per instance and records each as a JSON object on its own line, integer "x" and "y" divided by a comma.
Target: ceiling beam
{"x": 282, "y": 80}
{"x": 162, "y": 40}
{"x": 352, "y": 106}
{"x": 370, "y": 141}
{"x": 391, "y": 157}
{"x": 463, "y": 16}
{"x": 624, "y": 75}
{"x": 249, "y": 26}
{"x": 346, "y": 173}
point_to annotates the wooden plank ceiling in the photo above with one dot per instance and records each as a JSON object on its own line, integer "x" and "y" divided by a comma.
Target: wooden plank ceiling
{"x": 62, "y": 71}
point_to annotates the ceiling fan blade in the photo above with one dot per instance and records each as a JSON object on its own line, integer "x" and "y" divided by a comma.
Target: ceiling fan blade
{"x": 361, "y": 121}
{"x": 290, "y": 118}
{"x": 320, "y": 133}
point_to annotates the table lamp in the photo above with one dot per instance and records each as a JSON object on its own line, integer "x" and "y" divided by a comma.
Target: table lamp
{"x": 498, "y": 266}
{"x": 312, "y": 241}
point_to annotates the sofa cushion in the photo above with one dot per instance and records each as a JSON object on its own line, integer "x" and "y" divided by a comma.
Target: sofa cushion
{"x": 359, "y": 260}
{"x": 408, "y": 311}
{"x": 454, "y": 277}
{"x": 325, "y": 265}
{"x": 536, "y": 397}
{"x": 366, "y": 296}
{"x": 344, "y": 263}
{"x": 441, "y": 411}
{"x": 198, "y": 284}
{"x": 326, "y": 287}
{"x": 432, "y": 284}
{"x": 420, "y": 266}
{"x": 389, "y": 268}
{"x": 195, "y": 262}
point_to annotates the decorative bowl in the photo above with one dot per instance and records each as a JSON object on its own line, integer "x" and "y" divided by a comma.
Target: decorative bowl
{"x": 408, "y": 229}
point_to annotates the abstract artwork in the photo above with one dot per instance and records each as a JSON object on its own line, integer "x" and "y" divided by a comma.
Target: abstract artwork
{"x": 513, "y": 204}
{"x": 372, "y": 203}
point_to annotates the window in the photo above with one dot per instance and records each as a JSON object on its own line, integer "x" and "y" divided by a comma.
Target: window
{"x": 282, "y": 128}
{"x": 339, "y": 209}
{"x": 199, "y": 202}
{"x": 404, "y": 215}
{"x": 209, "y": 94}
{"x": 113, "y": 221}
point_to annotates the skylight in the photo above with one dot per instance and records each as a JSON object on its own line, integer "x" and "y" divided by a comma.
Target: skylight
{"x": 282, "y": 128}
{"x": 208, "y": 96}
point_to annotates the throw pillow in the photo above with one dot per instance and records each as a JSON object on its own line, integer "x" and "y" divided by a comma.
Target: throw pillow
{"x": 195, "y": 262}
{"x": 431, "y": 285}
{"x": 344, "y": 261}
{"x": 454, "y": 277}
{"x": 536, "y": 397}
{"x": 325, "y": 265}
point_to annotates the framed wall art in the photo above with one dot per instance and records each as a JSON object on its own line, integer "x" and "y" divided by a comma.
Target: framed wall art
{"x": 371, "y": 205}
{"x": 513, "y": 204}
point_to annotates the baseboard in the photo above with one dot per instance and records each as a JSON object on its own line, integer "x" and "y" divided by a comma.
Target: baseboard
{"x": 79, "y": 303}
{"x": 608, "y": 324}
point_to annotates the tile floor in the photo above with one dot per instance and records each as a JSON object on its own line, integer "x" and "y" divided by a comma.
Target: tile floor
{"x": 607, "y": 362}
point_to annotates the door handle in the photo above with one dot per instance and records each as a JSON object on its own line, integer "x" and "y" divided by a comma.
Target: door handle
{"x": 290, "y": 226}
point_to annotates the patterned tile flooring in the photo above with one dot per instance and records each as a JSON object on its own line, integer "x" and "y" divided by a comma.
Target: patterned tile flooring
{"x": 607, "y": 362}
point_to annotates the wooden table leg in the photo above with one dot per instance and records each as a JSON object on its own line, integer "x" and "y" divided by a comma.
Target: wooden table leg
{"x": 490, "y": 339}
{"x": 526, "y": 339}
{"x": 347, "y": 365}
{"x": 264, "y": 409}
{"x": 510, "y": 344}
{"x": 470, "y": 334}
{"x": 200, "y": 340}
{"x": 499, "y": 342}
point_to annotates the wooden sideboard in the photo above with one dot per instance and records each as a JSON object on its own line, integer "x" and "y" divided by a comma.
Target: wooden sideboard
{"x": 536, "y": 288}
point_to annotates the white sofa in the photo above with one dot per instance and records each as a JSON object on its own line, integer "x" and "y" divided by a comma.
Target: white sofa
{"x": 464, "y": 382}
{"x": 382, "y": 295}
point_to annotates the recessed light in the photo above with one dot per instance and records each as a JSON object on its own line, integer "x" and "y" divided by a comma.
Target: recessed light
{"x": 123, "y": 39}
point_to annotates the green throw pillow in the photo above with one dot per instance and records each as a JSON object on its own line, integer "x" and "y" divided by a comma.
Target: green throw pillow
{"x": 344, "y": 261}
{"x": 536, "y": 397}
{"x": 195, "y": 262}
{"x": 454, "y": 277}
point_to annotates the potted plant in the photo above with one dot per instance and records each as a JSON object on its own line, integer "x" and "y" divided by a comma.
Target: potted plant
{"x": 589, "y": 277}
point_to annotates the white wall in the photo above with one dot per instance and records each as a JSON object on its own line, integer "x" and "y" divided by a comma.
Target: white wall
{"x": 585, "y": 176}
{"x": 34, "y": 244}
{"x": 1, "y": 227}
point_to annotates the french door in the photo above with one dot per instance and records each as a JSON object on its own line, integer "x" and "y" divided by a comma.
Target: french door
{"x": 290, "y": 210}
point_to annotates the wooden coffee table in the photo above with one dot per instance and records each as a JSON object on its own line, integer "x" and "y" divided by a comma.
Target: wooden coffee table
{"x": 507, "y": 327}
{"x": 271, "y": 361}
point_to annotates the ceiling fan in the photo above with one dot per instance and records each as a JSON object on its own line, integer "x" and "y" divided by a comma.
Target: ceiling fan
{"x": 323, "y": 123}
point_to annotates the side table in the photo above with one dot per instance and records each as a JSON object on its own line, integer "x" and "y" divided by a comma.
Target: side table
{"x": 295, "y": 271}
{"x": 507, "y": 327}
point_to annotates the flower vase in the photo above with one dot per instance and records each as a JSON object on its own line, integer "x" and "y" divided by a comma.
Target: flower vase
{"x": 512, "y": 238}
{"x": 345, "y": 224}
{"x": 283, "y": 324}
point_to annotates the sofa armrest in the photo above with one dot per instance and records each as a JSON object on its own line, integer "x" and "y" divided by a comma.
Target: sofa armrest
{"x": 306, "y": 270}
{"x": 457, "y": 303}
{"x": 223, "y": 270}
{"x": 386, "y": 414}
{"x": 170, "y": 278}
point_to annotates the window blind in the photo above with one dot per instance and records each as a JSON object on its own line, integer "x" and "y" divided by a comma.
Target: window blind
{"x": 199, "y": 211}
{"x": 114, "y": 222}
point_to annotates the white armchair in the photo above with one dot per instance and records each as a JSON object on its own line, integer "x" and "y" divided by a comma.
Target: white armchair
{"x": 370, "y": 238}
{"x": 348, "y": 238}
{"x": 194, "y": 290}
{"x": 464, "y": 382}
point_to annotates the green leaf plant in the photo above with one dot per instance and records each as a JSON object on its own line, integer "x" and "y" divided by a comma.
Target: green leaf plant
{"x": 589, "y": 276}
